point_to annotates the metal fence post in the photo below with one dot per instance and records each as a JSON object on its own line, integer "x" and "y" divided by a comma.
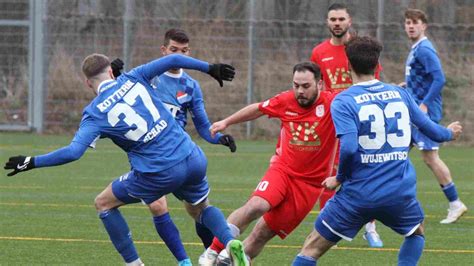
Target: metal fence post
{"x": 36, "y": 63}
{"x": 251, "y": 43}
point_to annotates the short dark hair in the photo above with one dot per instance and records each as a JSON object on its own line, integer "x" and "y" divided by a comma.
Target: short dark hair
{"x": 363, "y": 54}
{"x": 416, "y": 14}
{"x": 308, "y": 66}
{"x": 339, "y": 6}
{"x": 94, "y": 65}
{"x": 176, "y": 35}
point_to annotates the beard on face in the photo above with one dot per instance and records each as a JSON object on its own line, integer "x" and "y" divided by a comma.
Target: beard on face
{"x": 305, "y": 102}
{"x": 340, "y": 34}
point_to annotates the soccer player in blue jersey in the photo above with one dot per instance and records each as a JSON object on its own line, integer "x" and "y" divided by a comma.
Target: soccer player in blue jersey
{"x": 372, "y": 121}
{"x": 163, "y": 158}
{"x": 181, "y": 94}
{"x": 424, "y": 79}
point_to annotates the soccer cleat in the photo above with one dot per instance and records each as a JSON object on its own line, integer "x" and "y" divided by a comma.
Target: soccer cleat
{"x": 373, "y": 239}
{"x": 237, "y": 254}
{"x": 185, "y": 262}
{"x": 454, "y": 214}
{"x": 208, "y": 258}
{"x": 223, "y": 259}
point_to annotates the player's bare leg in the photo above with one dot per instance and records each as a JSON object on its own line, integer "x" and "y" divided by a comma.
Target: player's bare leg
{"x": 314, "y": 247}
{"x": 443, "y": 175}
{"x": 253, "y": 209}
{"x": 260, "y": 235}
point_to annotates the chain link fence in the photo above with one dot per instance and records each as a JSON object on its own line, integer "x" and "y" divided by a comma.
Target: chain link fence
{"x": 263, "y": 39}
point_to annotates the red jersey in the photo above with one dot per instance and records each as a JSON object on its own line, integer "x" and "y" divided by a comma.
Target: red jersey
{"x": 307, "y": 140}
{"x": 332, "y": 60}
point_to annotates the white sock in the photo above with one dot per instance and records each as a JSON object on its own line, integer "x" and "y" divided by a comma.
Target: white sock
{"x": 455, "y": 204}
{"x": 137, "y": 262}
{"x": 370, "y": 227}
{"x": 234, "y": 230}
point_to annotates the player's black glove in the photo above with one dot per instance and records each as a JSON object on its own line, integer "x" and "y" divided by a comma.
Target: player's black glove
{"x": 117, "y": 67}
{"x": 221, "y": 72}
{"x": 228, "y": 140}
{"x": 19, "y": 163}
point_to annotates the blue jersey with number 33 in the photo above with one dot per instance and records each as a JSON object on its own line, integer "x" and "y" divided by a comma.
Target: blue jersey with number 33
{"x": 380, "y": 115}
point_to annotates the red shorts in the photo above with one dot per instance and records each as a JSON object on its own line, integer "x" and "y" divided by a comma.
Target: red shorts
{"x": 291, "y": 199}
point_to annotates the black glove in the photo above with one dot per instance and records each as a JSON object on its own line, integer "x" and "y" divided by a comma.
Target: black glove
{"x": 221, "y": 72}
{"x": 228, "y": 140}
{"x": 117, "y": 67}
{"x": 19, "y": 163}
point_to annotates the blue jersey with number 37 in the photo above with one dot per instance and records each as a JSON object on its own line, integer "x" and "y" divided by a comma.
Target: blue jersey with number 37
{"x": 130, "y": 113}
{"x": 380, "y": 116}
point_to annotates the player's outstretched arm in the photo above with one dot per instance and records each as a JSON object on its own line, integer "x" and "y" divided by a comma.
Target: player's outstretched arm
{"x": 250, "y": 112}
{"x": 220, "y": 72}
{"x": 64, "y": 155}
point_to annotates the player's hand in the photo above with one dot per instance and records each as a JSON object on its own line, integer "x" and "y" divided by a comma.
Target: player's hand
{"x": 331, "y": 183}
{"x": 221, "y": 72}
{"x": 456, "y": 128}
{"x": 228, "y": 140}
{"x": 19, "y": 163}
{"x": 424, "y": 108}
{"x": 217, "y": 127}
{"x": 117, "y": 67}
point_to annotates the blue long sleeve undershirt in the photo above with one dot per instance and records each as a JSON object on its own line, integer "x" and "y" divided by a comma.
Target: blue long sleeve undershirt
{"x": 64, "y": 155}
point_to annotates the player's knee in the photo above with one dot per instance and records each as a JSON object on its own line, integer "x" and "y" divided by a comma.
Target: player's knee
{"x": 101, "y": 203}
{"x": 420, "y": 230}
{"x": 256, "y": 207}
{"x": 158, "y": 207}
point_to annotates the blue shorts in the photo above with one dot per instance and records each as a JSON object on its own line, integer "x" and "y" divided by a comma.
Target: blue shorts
{"x": 423, "y": 142}
{"x": 187, "y": 180}
{"x": 341, "y": 219}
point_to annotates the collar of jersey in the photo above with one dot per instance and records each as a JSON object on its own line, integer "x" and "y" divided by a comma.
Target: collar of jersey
{"x": 103, "y": 87}
{"x": 180, "y": 74}
{"x": 418, "y": 42}
{"x": 367, "y": 83}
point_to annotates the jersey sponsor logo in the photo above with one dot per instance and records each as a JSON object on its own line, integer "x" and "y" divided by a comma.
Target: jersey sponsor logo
{"x": 381, "y": 96}
{"x": 340, "y": 74}
{"x": 183, "y": 97}
{"x": 173, "y": 108}
{"x": 384, "y": 157}
{"x": 320, "y": 110}
{"x": 327, "y": 59}
{"x": 116, "y": 96}
{"x": 291, "y": 113}
{"x": 304, "y": 134}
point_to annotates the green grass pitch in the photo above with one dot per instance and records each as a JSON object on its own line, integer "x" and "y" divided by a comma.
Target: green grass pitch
{"x": 47, "y": 215}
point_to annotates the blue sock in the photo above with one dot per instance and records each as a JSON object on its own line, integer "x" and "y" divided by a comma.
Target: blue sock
{"x": 119, "y": 233}
{"x": 205, "y": 234}
{"x": 214, "y": 220}
{"x": 450, "y": 192}
{"x": 301, "y": 260}
{"x": 169, "y": 233}
{"x": 411, "y": 250}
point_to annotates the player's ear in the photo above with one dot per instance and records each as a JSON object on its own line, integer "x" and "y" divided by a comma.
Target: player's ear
{"x": 111, "y": 73}
{"x": 319, "y": 84}
{"x": 163, "y": 50}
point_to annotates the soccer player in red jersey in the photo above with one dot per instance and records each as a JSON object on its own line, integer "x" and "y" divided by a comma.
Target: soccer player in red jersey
{"x": 304, "y": 157}
{"x": 331, "y": 57}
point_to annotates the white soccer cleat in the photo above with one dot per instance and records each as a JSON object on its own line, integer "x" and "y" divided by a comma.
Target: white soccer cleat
{"x": 208, "y": 258}
{"x": 454, "y": 213}
{"x": 223, "y": 259}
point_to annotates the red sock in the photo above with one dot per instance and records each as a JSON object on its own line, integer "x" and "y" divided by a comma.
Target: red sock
{"x": 216, "y": 245}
